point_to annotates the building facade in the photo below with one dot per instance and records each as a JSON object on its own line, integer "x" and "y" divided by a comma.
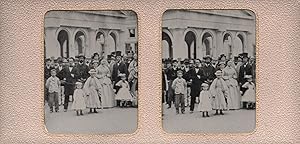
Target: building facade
{"x": 69, "y": 33}
{"x": 196, "y": 33}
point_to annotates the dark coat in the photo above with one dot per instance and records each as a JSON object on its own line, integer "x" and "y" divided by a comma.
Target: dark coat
{"x": 83, "y": 71}
{"x": 196, "y": 81}
{"x": 122, "y": 68}
{"x": 209, "y": 72}
{"x": 245, "y": 69}
{"x": 171, "y": 73}
{"x": 69, "y": 80}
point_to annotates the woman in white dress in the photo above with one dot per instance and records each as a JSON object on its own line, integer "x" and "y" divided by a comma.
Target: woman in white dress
{"x": 107, "y": 93}
{"x": 234, "y": 95}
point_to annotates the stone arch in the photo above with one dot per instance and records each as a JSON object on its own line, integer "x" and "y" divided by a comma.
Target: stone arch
{"x": 80, "y": 43}
{"x": 191, "y": 37}
{"x": 115, "y": 35}
{"x": 100, "y": 41}
{"x": 242, "y": 37}
{"x": 227, "y": 41}
{"x": 168, "y": 37}
{"x": 63, "y": 41}
{"x": 208, "y": 41}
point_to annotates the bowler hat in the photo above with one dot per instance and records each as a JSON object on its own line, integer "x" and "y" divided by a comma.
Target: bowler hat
{"x": 118, "y": 53}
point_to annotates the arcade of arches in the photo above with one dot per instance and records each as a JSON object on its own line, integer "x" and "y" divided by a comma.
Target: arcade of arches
{"x": 231, "y": 44}
{"x": 102, "y": 33}
{"x": 196, "y": 33}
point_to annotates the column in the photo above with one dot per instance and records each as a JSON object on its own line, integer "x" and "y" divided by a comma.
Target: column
{"x": 178, "y": 43}
{"x": 52, "y": 47}
{"x": 90, "y": 48}
{"x": 72, "y": 42}
{"x": 219, "y": 43}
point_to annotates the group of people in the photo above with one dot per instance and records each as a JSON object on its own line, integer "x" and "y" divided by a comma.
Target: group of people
{"x": 95, "y": 83}
{"x": 222, "y": 84}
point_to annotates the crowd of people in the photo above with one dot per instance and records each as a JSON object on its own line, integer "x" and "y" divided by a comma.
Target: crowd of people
{"x": 91, "y": 83}
{"x": 214, "y": 84}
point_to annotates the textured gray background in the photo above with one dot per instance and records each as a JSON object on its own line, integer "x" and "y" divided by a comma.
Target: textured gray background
{"x": 21, "y": 73}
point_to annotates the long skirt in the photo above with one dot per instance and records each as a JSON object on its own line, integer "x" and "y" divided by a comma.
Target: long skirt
{"x": 219, "y": 102}
{"x": 107, "y": 96}
{"x": 93, "y": 99}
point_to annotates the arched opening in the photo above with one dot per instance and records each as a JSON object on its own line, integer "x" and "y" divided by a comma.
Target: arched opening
{"x": 112, "y": 42}
{"x": 100, "y": 43}
{"x": 227, "y": 45}
{"x": 79, "y": 42}
{"x": 167, "y": 46}
{"x": 63, "y": 40}
{"x": 190, "y": 39}
{"x": 207, "y": 43}
{"x": 239, "y": 45}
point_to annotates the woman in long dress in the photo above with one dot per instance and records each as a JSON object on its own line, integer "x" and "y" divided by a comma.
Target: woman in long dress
{"x": 234, "y": 95}
{"x": 107, "y": 93}
{"x": 92, "y": 87}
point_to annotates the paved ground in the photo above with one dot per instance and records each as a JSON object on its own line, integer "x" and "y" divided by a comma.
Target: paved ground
{"x": 236, "y": 121}
{"x": 114, "y": 120}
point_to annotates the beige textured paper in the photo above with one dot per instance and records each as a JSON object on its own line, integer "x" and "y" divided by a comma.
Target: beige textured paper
{"x": 21, "y": 71}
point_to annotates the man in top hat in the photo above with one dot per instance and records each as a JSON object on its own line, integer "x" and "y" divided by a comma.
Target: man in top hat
{"x": 196, "y": 78}
{"x": 208, "y": 70}
{"x": 118, "y": 68}
{"x": 83, "y": 69}
{"x": 245, "y": 69}
{"x": 69, "y": 75}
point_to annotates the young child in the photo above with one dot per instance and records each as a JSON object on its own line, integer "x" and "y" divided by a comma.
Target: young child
{"x": 219, "y": 90}
{"x": 79, "y": 99}
{"x": 93, "y": 87}
{"x": 53, "y": 86}
{"x": 205, "y": 102}
{"x": 123, "y": 94}
{"x": 249, "y": 95}
{"x": 180, "y": 89}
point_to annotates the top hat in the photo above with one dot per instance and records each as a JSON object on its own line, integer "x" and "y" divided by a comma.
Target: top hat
{"x": 118, "y": 53}
{"x": 92, "y": 71}
{"x": 245, "y": 55}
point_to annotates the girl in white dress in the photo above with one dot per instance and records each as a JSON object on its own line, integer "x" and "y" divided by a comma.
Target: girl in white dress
{"x": 93, "y": 89}
{"x": 205, "y": 100}
{"x": 79, "y": 99}
{"x": 124, "y": 91}
{"x": 249, "y": 95}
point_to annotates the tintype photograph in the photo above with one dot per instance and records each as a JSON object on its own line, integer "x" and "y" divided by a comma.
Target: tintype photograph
{"x": 90, "y": 72}
{"x": 208, "y": 71}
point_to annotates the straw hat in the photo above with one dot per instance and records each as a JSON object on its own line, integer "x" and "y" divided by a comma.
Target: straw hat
{"x": 218, "y": 73}
{"x": 204, "y": 85}
{"x": 92, "y": 71}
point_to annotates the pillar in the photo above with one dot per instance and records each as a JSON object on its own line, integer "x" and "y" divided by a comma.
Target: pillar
{"x": 178, "y": 43}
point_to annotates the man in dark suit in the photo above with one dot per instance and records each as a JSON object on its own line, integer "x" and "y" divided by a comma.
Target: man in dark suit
{"x": 82, "y": 68}
{"x": 118, "y": 68}
{"x": 245, "y": 69}
{"x": 197, "y": 78}
{"x": 209, "y": 70}
{"x": 69, "y": 75}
